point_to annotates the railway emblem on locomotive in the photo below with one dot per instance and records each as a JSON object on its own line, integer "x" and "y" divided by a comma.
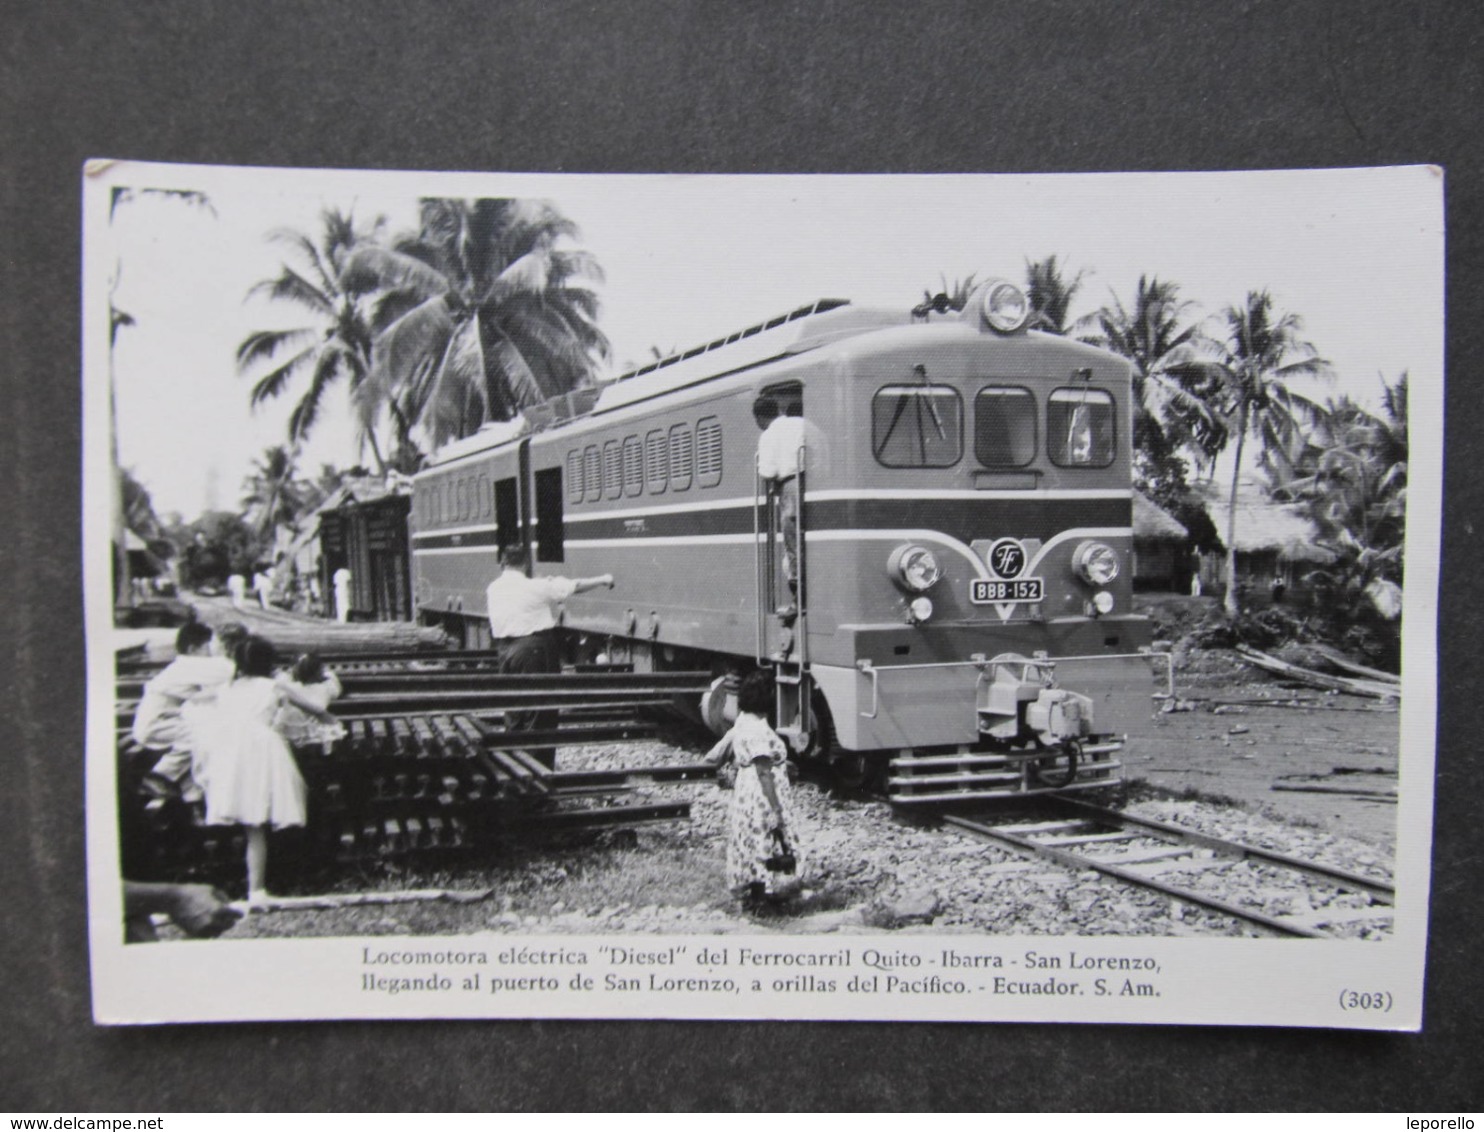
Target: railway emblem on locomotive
{"x": 1007, "y": 560}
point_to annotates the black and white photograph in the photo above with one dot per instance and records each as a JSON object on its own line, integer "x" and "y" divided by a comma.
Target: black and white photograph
{"x": 881, "y": 597}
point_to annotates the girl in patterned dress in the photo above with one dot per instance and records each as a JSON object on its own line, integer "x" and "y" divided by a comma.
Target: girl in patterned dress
{"x": 761, "y": 831}
{"x": 243, "y": 763}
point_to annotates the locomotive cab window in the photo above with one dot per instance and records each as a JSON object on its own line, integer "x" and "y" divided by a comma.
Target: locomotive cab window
{"x": 917, "y": 426}
{"x": 1005, "y": 427}
{"x": 1080, "y": 428}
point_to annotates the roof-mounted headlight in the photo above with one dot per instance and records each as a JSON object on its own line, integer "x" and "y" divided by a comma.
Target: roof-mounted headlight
{"x": 1096, "y": 563}
{"x": 1005, "y": 307}
{"x": 914, "y": 567}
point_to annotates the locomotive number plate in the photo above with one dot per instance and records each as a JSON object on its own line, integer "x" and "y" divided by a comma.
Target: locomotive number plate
{"x": 986, "y": 591}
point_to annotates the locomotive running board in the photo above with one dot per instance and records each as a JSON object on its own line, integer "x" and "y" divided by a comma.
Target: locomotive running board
{"x": 970, "y": 776}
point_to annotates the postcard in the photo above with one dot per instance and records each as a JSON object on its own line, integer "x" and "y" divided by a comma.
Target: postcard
{"x": 960, "y": 598}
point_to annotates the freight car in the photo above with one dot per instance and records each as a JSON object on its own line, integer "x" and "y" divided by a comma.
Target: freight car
{"x": 947, "y": 609}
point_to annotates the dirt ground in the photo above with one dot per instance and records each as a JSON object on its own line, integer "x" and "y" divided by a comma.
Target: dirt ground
{"x": 1296, "y": 753}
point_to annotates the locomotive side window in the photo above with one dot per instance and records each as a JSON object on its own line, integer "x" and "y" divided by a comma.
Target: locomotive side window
{"x": 507, "y": 513}
{"x": 682, "y": 457}
{"x": 633, "y": 466}
{"x": 656, "y": 462}
{"x": 486, "y": 498}
{"x": 574, "y": 476}
{"x": 1005, "y": 427}
{"x": 1080, "y": 428}
{"x": 917, "y": 426}
{"x": 592, "y": 473}
{"x": 708, "y": 452}
{"x": 612, "y": 470}
{"x": 549, "y": 529}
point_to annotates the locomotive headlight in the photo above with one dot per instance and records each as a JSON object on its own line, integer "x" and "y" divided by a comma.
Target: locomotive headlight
{"x": 1102, "y": 601}
{"x": 920, "y": 609}
{"x": 915, "y": 567}
{"x": 1096, "y": 563}
{"x": 1005, "y": 307}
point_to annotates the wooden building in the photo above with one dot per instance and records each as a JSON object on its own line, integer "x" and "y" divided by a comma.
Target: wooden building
{"x": 1163, "y": 560}
{"x": 370, "y": 540}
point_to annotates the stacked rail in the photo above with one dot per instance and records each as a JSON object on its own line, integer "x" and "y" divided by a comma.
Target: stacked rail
{"x": 429, "y": 766}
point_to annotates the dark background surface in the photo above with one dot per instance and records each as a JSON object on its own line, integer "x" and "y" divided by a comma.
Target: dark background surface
{"x": 743, "y": 87}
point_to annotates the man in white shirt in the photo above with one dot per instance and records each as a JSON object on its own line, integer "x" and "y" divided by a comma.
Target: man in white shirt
{"x": 522, "y": 610}
{"x": 522, "y": 616}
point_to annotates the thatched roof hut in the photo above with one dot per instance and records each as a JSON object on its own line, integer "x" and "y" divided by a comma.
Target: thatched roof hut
{"x": 1153, "y": 523}
{"x": 1264, "y": 526}
{"x": 1161, "y": 557}
{"x": 1275, "y": 542}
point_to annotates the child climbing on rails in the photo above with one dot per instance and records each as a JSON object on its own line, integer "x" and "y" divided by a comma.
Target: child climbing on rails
{"x": 764, "y": 858}
{"x": 243, "y": 763}
{"x": 311, "y": 679}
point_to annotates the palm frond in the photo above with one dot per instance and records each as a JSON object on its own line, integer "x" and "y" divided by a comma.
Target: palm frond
{"x": 370, "y": 268}
{"x": 262, "y": 345}
{"x": 273, "y": 383}
{"x": 520, "y": 384}
{"x": 293, "y": 287}
{"x": 327, "y": 367}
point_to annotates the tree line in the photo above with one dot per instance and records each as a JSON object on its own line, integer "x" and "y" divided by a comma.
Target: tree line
{"x": 489, "y": 306}
{"x": 1203, "y": 386}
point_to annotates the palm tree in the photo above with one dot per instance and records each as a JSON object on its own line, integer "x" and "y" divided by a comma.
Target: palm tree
{"x": 946, "y": 298}
{"x": 1169, "y": 403}
{"x": 273, "y": 495}
{"x": 1247, "y": 377}
{"x": 1050, "y": 294}
{"x": 1353, "y": 475}
{"x": 486, "y": 310}
{"x": 335, "y": 345}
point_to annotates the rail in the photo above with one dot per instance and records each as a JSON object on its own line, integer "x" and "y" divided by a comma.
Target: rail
{"x": 1053, "y": 841}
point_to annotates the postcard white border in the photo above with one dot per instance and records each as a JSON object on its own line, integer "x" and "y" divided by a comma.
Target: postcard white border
{"x": 1201, "y": 980}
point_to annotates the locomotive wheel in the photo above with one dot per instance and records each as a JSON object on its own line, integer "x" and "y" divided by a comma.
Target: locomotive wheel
{"x": 851, "y": 770}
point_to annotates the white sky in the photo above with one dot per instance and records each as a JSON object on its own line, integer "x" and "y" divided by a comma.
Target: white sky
{"x": 1357, "y": 253}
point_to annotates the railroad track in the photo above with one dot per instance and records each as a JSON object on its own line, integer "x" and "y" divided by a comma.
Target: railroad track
{"x": 1143, "y": 852}
{"x": 429, "y": 763}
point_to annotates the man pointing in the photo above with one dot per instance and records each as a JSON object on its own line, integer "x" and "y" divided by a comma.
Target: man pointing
{"x": 522, "y": 616}
{"x": 522, "y": 612}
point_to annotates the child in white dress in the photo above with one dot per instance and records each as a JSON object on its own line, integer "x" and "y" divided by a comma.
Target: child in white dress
{"x": 242, "y": 761}
{"x": 764, "y": 857}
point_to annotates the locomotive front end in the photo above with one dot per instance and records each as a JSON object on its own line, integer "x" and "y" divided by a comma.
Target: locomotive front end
{"x": 976, "y": 637}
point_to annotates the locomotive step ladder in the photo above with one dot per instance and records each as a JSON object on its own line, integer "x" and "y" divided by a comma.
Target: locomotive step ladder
{"x": 782, "y": 602}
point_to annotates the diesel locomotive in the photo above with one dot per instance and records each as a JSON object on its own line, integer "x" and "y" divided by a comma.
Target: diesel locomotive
{"x": 946, "y": 603}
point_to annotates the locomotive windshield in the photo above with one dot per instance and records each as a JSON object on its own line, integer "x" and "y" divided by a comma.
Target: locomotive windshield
{"x": 1079, "y": 426}
{"x": 917, "y": 426}
{"x": 1005, "y": 432}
